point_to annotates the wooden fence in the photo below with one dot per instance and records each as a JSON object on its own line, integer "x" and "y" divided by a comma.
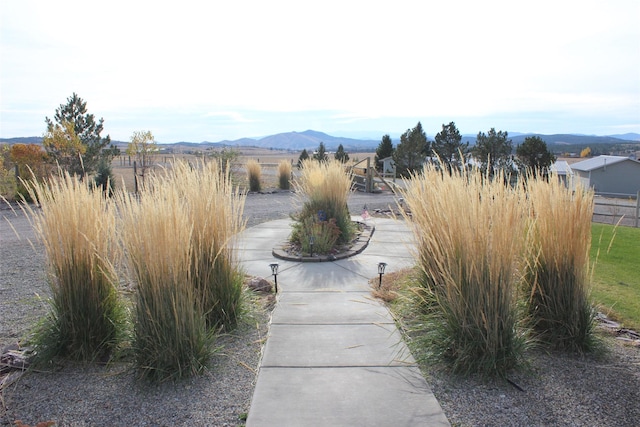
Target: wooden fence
{"x": 613, "y": 208}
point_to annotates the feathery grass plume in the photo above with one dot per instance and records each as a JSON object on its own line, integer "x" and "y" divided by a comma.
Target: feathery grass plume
{"x": 214, "y": 209}
{"x": 323, "y": 188}
{"x": 470, "y": 237}
{"x": 284, "y": 174}
{"x": 171, "y": 339}
{"x": 254, "y": 173}
{"x": 77, "y": 226}
{"x": 557, "y": 275}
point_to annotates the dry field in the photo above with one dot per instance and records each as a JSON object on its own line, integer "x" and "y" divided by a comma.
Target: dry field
{"x": 268, "y": 159}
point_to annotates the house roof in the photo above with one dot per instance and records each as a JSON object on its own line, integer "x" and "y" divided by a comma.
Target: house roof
{"x": 599, "y": 162}
{"x": 561, "y": 167}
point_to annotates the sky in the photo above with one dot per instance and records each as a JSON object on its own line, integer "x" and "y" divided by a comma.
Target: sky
{"x": 222, "y": 70}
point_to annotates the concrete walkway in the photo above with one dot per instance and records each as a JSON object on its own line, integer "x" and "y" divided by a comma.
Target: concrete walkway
{"x": 334, "y": 356}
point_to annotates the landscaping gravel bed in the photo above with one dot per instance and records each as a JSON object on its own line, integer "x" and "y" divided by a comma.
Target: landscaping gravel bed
{"x": 558, "y": 390}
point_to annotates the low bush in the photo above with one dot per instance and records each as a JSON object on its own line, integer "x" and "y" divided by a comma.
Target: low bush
{"x": 316, "y": 237}
{"x": 324, "y": 189}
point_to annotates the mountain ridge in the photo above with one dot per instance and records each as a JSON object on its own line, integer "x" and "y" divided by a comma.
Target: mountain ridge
{"x": 310, "y": 140}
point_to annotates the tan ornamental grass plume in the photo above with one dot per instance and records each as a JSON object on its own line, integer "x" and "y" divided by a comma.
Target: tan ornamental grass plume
{"x": 77, "y": 226}
{"x": 558, "y": 275}
{"x": 171, "y": 338}
{"x": 470, "y": 234}
{"x": 215, "y": 211}
{"x": 323, "y": 189}
{"x": 254, "y": 174}
{"x": 284, "y": 174}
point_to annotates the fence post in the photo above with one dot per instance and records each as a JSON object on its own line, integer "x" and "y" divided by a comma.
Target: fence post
{"x": 135, "y": 177}
{"x": 637, "y": 207}
{"x": 368, "y": 188}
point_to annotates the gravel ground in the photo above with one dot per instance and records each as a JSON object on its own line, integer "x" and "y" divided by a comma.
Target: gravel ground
{"x": 559, "y": 390}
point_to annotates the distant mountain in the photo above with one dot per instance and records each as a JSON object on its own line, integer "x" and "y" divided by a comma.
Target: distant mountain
{"x": 237, "y": 142}
{"x": 309, "y": 139}
{"x": 22, "y": 140}
{"x": 368, "y": 134}
{"x": 38, "y": 140}
{"x": 628, "y": 136}
{"x": 571, "y": 140}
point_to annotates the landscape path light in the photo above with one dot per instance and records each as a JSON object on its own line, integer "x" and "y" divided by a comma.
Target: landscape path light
{"x": 312, "y": 240}
{"x": 274, "y": 271}
{"x": 381, "y": 267}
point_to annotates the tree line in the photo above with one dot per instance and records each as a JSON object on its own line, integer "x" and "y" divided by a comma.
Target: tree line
{"x": 321, "y": 155}
{"x": 493, "y": 151}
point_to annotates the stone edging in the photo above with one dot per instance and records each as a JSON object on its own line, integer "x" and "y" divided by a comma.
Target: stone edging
{"x": 357, "y": 246}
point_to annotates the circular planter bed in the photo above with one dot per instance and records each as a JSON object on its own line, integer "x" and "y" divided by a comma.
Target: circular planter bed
{"x": 291, "y": 252}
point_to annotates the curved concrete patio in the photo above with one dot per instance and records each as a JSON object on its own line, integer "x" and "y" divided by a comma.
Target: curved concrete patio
{"x": 334, "y": 356}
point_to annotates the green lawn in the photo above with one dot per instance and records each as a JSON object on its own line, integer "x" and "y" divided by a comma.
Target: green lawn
{"x": 616, "y": 278}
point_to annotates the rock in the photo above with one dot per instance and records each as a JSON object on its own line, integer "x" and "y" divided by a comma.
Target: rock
{"x": 260, "y": 284}
{"x": 629, "y": 341}
{"x": 13, "y": 358}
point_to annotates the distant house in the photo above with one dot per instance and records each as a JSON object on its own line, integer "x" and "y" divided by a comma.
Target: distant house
{"x": 388, "y": 167}
{"x": 609, "y": 174}
{"x": 562, "y": 170}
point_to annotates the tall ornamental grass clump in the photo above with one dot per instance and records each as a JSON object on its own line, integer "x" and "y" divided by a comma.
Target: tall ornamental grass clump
{"x": 324, "y": 189}
{"x": 254, "y": 174}
{"x": 557, "y": 274}
{"x": 470, "y": 237}
{"x": 77, "y": 225}
{"x": 214, "y": 210}
{"x": 171, "y": 339}
{"x": 284, "y": 174}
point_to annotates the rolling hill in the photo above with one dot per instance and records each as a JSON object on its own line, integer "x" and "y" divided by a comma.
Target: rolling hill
{"x": 310, "y": 140}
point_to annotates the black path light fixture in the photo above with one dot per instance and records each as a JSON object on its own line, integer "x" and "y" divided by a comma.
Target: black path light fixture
{"x": 381, "y": 267}
{"x": 312, "y": 240}
{"x": 274, "y": 270}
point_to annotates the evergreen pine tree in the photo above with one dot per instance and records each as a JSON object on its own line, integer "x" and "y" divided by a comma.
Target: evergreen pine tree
{"x": 341, "y": 155}
{"x": 321, "y": 153}
{"x": 385, "y": 149}
{"x": 449, "y": 148}
{"x": 87, "y": 129}
{"x": 303, "y": 156}
{"x": 104, "y": 178}
{"x": 412, "y": 151}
